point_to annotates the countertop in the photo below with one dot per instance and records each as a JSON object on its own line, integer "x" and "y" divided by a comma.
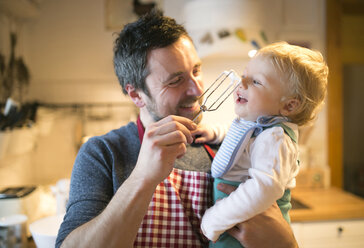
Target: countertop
{"x": 326, "y": 204}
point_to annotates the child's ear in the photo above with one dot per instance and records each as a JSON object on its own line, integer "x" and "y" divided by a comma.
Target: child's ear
{"x": 290, "y": 106}
{"x": 135, "y": 95}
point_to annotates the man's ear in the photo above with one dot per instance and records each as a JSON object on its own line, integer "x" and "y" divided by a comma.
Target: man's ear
{"x": 135, "y": 95}
{"x": 290, "y": 106}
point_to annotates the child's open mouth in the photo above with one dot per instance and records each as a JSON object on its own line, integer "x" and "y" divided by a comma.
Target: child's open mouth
{"x": 241, "y": 99}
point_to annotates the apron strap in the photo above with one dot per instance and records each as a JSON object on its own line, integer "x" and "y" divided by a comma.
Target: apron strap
{"x": 209, "y": 151}
{"x": 140, "y": 129}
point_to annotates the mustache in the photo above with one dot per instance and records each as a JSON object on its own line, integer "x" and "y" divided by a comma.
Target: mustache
{"x": 191, "y": 100}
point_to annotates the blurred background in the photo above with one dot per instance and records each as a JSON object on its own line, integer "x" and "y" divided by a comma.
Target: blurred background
{"x": 67, "y": 49}
{"x": 58, "y": 85}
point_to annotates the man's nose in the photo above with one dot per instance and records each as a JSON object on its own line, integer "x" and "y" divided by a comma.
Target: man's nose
{"x": 195, "y": 86}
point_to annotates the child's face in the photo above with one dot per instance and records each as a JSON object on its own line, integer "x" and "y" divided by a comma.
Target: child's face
{"x": 261, "y": 91}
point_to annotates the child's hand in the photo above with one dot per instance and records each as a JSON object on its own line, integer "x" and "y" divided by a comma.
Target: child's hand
{"x": 203, "y": 134}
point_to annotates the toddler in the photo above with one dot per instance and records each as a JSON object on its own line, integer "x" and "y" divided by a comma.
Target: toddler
{"x": 282, "y": 88}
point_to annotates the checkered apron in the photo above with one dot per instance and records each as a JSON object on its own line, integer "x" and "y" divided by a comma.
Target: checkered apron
{"x": 174, "y": 214}
{"x": 175, "y": 211}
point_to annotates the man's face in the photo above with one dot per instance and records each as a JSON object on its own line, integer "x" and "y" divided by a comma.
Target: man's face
{"x": 175, "y": 81}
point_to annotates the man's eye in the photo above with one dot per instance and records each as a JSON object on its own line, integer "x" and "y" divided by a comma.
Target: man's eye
{"x": 175, "y": 82}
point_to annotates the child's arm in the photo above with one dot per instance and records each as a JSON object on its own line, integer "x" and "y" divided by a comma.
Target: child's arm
{"x": 272, "y": 157}
{"x": 212, "y": 134}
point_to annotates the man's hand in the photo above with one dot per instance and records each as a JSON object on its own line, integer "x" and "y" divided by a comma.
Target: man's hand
{"x": 268, "y": 229}
{"x": 163, "y": 142}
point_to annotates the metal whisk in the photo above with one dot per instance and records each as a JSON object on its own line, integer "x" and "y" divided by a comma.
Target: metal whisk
{"x": 234, "y": 82}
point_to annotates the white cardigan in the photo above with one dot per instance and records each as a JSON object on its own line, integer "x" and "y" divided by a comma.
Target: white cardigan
{"x": 267, "y": 166}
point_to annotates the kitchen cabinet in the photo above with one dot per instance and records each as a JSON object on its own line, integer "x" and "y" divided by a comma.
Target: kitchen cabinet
{"x": 332, "y": 218}
{"x": 333, "y": 234}
{"x": 326, "y": 204}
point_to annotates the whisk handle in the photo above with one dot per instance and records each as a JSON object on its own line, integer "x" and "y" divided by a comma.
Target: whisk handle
{"x": 198, "y": 114}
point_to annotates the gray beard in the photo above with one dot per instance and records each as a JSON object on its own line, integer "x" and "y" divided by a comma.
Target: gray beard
{"x": 153, "y": 113}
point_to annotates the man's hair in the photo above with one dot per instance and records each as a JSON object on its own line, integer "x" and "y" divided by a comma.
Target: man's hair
{"x": 304, "y": 73}
{"x": 151, "y": 31}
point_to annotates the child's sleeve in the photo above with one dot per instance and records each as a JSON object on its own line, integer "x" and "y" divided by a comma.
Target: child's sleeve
{"x": 220, "y": 131}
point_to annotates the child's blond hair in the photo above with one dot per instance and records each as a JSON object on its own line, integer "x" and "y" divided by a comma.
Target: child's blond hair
{"x": 305, "y": 73}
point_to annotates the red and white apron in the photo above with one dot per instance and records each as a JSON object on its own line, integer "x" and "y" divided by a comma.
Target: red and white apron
{"x": 175, "y": 211}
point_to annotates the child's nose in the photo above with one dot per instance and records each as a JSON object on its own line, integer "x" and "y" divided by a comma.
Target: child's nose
{"x": 244, "y": 83}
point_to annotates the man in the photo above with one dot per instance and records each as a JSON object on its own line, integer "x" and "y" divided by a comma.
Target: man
{"x": 146, "y": 184}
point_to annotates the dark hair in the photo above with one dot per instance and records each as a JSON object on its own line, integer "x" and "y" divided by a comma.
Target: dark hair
{"x": 151, "y": 31}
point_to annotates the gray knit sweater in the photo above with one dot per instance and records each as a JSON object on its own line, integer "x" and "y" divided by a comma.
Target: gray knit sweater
{"x": 102, "y": 165}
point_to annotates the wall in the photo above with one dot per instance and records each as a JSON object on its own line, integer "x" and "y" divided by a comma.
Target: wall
{"x": 70, "y": 53}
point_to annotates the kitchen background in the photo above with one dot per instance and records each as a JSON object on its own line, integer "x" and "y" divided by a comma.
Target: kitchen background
{"x": 67, "y": 47}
